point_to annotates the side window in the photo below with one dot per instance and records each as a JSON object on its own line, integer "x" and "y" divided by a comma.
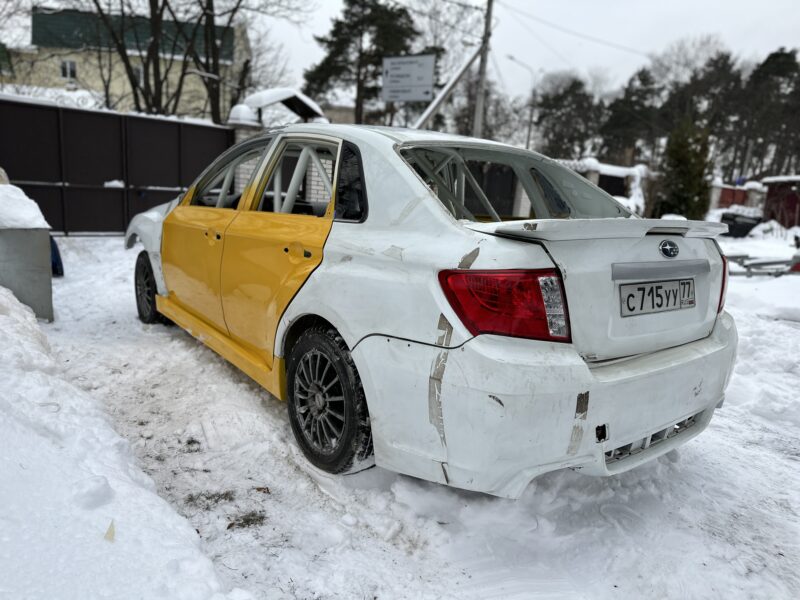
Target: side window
{"x": 351, "y": 193}
{"x": 301, "y": 180}
{"x": 224, "y": 185}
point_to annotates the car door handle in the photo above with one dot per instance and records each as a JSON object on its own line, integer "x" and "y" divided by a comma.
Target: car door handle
{"x": 294, "y": 250}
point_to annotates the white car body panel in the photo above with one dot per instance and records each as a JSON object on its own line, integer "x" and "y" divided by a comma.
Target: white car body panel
{"x": 490, "y": 413}
{"x": 514, "y": 409}
{"x": 147, "y": 228}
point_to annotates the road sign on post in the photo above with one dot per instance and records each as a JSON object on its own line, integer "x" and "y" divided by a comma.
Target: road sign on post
{"x": 408, "y": 78}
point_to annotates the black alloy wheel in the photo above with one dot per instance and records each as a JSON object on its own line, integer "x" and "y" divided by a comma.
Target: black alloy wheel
{"x": 326, "y": 404}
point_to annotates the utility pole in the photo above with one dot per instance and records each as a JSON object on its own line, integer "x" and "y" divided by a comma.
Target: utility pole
{"x": 528, "y": 68}
{"x": 477, "y": 124}
{"x": 442, "y": 97}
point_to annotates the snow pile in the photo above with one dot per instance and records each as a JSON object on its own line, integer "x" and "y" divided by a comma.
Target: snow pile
{"x": 17, "y": 211}
{"x": 636, "y": 189}
{"x": 79, "y": 520}
{"x": 241, "y": 113}
{"x": 84, "y": 99}
{"x": 778, "y": 298}
{"x": 755, "y": 186}
{"x": 715, "y": 214}
{"x": 773, "y": 229}
{"x": 719, "y": 518}
{"x": 635, "y": 202}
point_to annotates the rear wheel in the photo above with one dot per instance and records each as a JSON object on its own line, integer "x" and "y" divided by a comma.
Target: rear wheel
{"x": 326, "y": 403}
{"x": 145, "y": 287}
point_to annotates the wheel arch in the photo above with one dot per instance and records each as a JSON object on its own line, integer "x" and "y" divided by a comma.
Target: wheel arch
{"x": 296, "y": 328}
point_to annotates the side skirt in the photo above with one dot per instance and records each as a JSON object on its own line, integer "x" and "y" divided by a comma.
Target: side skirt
{"x": 273, "y": 380}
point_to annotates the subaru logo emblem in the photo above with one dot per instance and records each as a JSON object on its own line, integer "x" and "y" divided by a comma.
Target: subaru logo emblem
{"x": 668, "y": 248}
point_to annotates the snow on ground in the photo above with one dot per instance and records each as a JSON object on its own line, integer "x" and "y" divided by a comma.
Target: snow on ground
{"x": 17, "y": 211}
{"x": 766, "y": 240}
{"x": 78, "y": 519}
{"x": 778, "y": 298}
{"x": 719, "y": 518}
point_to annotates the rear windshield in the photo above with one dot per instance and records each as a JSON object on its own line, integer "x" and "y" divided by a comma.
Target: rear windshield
{"x": 480, "y": 184}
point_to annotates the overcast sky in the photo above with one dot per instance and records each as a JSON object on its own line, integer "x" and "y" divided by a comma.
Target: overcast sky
{"x": 750, "y": 29}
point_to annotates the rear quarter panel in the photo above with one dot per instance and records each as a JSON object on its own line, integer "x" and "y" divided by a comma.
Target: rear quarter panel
{"x": 379, "y": 277}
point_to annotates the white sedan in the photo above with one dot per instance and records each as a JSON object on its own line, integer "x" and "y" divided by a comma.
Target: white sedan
{"x": 454, "y": 309}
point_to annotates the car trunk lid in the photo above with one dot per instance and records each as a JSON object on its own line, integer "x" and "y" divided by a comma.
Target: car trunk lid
{"x": 604, "y": 261}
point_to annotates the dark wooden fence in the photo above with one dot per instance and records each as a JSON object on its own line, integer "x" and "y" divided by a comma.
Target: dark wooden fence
{"x": 71, "y": 161}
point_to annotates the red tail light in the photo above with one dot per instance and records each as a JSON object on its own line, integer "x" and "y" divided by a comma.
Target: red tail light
{"x": 724, "y": 290}
{"x": 517, "y": 303}
{"x": 795, "y": 267}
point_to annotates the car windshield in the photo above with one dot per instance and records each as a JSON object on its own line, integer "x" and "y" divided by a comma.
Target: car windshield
{"x": 480, "y": 184}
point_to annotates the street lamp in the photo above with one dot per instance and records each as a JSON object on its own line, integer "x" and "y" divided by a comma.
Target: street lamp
{"x": 533, "y": 77}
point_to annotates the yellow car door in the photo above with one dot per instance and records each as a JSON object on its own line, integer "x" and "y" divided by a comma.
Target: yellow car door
{"x": 274, "y": 244}
{"x": 194, "y": 233}
{"x": 192, "y": 251}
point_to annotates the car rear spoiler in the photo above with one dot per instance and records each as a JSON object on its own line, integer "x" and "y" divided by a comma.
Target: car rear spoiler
{"x": 587, "y": 229}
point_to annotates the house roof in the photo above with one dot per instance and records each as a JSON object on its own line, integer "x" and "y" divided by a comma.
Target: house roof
{"x": 78, "y": 29}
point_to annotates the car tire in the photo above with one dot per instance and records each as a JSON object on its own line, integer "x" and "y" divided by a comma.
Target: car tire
{"x": 145, "y": 289}
{"x": 326, "y": 403}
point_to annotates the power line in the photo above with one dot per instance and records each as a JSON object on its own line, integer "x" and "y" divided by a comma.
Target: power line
{"x": 433, "y": 17}
{"x": 539, "y": 39}
{"x": 499, "y": 73}
{"x": 572, "y": 32}
{"x": 463, "y": 5}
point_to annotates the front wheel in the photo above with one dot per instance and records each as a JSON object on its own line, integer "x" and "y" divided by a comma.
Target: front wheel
{"x": 145, "y": 288}
{"x": 326, "y": 402}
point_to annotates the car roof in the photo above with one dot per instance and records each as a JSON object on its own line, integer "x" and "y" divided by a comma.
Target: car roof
{"x": 399, "y": 135}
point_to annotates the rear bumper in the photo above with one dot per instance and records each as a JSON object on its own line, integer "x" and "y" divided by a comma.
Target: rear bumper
{"x": 496, "y": 412}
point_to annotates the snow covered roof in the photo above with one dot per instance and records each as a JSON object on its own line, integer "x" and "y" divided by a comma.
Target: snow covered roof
{"x": 754, "y": 185}
{"x": 397, "y": 135}
{"x": 294, "y": 100}
{"x": 780, "y": 179}
{"x": 17, "y": 211}
{"x": 42, "y": 96}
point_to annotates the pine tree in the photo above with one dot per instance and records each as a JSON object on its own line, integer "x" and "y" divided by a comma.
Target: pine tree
{"x": 632, "y": 121}
{"x": 684, "y": 189}
{"x": 568, "y": 118}
{"x": 367, "y": 31}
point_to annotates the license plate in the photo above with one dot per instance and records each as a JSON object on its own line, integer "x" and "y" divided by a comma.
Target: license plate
{"x": 656, "y": 296}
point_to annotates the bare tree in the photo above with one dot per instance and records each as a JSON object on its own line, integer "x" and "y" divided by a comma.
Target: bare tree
{"x": 450, "y": 27}
{"x": 683, "y": 58}
{"x": 268, "y": 66}
{"x": 137, "y": 32}
{"x": 205, "y": 52}
{"x": 10, "y": 9}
